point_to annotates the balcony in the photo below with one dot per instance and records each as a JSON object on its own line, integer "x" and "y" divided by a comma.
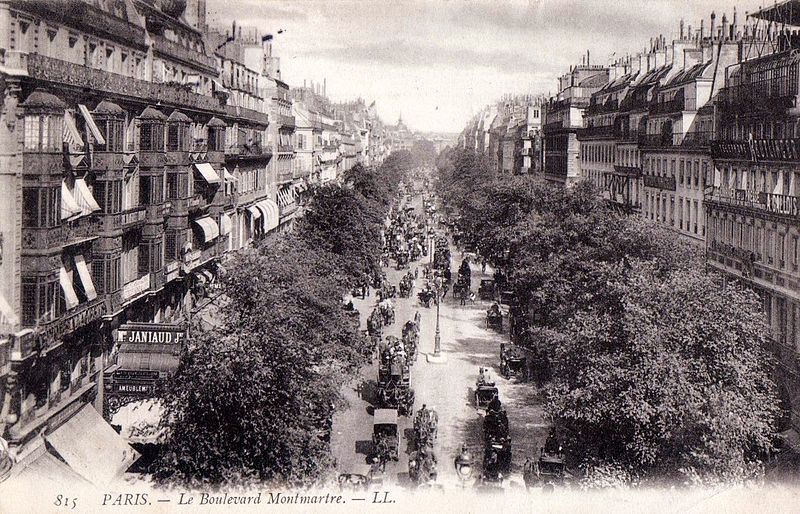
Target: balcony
{"x": 664, "y": 183}
{"x": 82, "y": 14}
{"x": 261, "y": 118}
{"x": 697, "y": 139}
{"x": 69, "y": 233}
{"x": 757, "y": 149}
{"x": 285, "y": 149}
{"x": 157, "y": 279}
{"x": 125, "y": 220}
{"x": 135, "y": 288}
{"x": 597, "y": 131}
{"x": 747, "y": 98}
{"x": 167, "y": 48}
{"x": 68, "y": 74}
{"x": 286, "y": 121}
{"x": 600, "y": 108}
{"x": 53, "y": 332}
{"x": 676, "y": 105}
{"x": 171, "y": 271}
{"x": 761, "y": 201}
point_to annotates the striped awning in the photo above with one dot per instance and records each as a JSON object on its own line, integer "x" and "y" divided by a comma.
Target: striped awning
{"x": 91, "y": 125}
{"x": 69, "y": 206}
{"x": 208, "y": 172}
{"x": 65, "y": 280}
{"x": 86, "y": 277}
{"x": 70, "y": 133}
{"x": 84, "y": 197}
{"x": 285, "y": 196}
{"x": 208, "y": 227}
{"x": 271, "y": 214}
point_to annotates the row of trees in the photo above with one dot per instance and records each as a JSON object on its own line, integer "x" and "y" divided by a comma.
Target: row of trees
{"x": 255, "y": 391}
{"x": 649, "y": 363}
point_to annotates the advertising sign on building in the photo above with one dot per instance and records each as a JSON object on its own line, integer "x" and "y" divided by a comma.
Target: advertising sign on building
{"x": 160, "y": 333}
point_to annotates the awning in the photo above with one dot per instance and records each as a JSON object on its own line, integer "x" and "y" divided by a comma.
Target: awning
{"x": 70, "y": 133}
{"x": 87, "y": 117}
{"x": 225, "y": 224}
{"x": 46, "y": 472}
{"x": 208, "y": 172}
{"x": 149, "y": 356}
{"x": 228, "y": 175}
{"x": 69, "y": 207}
{"x": 86, "y": 277}
{"x": 84, "y": 197}
{"x": 209, "y": 228}
{"x": 77, "y": 160}
{"x": 271, "y": 214}
{"x": 208, "y": 277}
{"x": 285, "y": 197}
{"x": 91, "y": 447}
{"x": 66, "y": 285}
{"x": 7, "y": 314}
{"x": 140, "y": 421}
{"x": 254, "y": 212}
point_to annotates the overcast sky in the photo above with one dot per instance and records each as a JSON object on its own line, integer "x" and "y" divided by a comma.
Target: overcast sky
{"x": 439, "y": 61}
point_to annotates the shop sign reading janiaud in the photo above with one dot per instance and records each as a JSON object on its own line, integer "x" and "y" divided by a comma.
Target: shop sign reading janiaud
{"x": 150, "y": 333}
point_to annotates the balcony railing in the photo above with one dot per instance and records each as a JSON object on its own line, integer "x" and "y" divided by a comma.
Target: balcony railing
{"x": 665, "y": 183}
{"x": 597, "y": 131}
{"x": 285, "y": 149}
{"x": 757, "y": 149}
{"x": 286, "y": 121}
{"x": 163, "y": 46}
{"x": 285, "y": 176}
{"x": 677, "y": 139}
{"x": 770, "y": 202}
{"x": 677, "y": 105}
{"x": 82, "y": 77}
{"x": 747, "y": 98}
{"x": 136, "y": 287}
{"x": 126, "y": 219}
{"x": 65, "y": 234}
{"x": 70, "y": 321}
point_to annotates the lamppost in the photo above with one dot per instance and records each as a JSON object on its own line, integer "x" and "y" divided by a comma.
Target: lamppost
{"x": 437, "y": 357}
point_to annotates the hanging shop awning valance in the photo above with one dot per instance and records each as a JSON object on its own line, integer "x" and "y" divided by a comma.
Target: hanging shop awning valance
{"x": 208, "y": 172}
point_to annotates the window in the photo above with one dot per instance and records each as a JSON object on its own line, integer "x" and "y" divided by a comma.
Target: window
{"x": 173, "y": 137}
{"x": 73, "y": 39}
{"x": 172, "y": 252}
{"x": 113, "y": 132}
{"x": 109, "y": 195}
{"x": 40, "y": 299}
{"x": 151, "y": 137}
{"x": 41, "y": 207}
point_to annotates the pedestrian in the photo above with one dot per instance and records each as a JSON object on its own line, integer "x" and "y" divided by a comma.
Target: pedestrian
{"x": 483, "y": 265}
{"x": 464, "y": 298}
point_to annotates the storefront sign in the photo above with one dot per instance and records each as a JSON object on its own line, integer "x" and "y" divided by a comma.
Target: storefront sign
{"x": 147, "y": 389}
{"x": 153, "y": 333}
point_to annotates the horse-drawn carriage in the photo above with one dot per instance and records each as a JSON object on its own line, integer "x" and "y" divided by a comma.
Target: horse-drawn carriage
{"x": 497, "y": 441}
{"x": 411, "y": 340}
{"x": 485, "y": 389}
{"x": 465, "y": 273}
{"x": 494, "y": 317}
{"x": 513, "y": 362}
{"x": 394, "y": 388}
{"x": 486, "y": 290}
{"x": 385, "y": 435}
{"x": 387, "y": 311}
{"x": 427, "y": 297}
{"x": 375, "y": 323}
{"x": 549, "y": 469}
{"x": 422, "y": 462}
{"x": 406, "y": 285}
{"x": 460, "y": 288}
{"x": 422, "y": 465}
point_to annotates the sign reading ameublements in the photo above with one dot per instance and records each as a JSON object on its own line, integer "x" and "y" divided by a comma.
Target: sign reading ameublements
{"x": 155, "y": 333}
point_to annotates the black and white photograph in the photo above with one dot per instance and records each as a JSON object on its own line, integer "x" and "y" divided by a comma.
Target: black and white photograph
{"x": 399, "y": 256}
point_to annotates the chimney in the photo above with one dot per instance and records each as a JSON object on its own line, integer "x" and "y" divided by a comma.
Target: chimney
{"x": 702, "y": 29}
{"x": 325, "y": 87}
{"x": 689, "y": 33}
{"x": 587, "y": 58}
{"x": 725, "y": 29}
{"x": 734, "y": 25}
{"x": 681, "y": 37}
{"x": 713, "y": 26}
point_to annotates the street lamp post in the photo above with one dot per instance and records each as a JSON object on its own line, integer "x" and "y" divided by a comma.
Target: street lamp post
{"x": 437, "y": 357}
